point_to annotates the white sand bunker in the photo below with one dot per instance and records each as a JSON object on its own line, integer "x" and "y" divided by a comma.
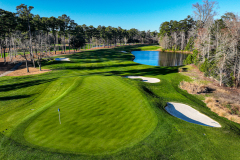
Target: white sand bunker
{"x": 145, "y": 79}
{"x": 62, "y": 59}
{"x": 189, "y": 114}
{"x": 123, "y": 51}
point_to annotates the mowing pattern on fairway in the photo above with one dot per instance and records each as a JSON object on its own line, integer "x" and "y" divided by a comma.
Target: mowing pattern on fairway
{"x": 101, "y": 115}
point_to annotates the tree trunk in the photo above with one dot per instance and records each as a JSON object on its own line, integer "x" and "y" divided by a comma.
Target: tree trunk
{"x": 49, "y": 44}
{"x": 9, "y": 49}
{"x": 220, "y": 82}
{"x": 4, "y": 55}
{"x": 64, "y": 43}
{"x": 209, "y": 40}
{"x": 30, "y": 41}
{"x": 55, "y": 45}
{"x": 39, "y": 63}
{"x": 1, "y": 52}
{"x": 27, "y": 65}
{"x": 238, "y": 77}
{"x": 26, "y": 61}
{"x": 69, "y": 43}
{"x": 40, "y": 67}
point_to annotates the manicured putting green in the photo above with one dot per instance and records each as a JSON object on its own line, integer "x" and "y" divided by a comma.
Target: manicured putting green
{"x": 103, "y": 114}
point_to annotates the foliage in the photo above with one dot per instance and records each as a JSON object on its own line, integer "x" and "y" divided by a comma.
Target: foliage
{"x": 176, "y": 34}
{"x": 61, "y": 30}
{"x": 190, "y": 44}
{"x": 77, "y": 41}
{"x": 191, "y": 58}
{"x": 188, "y": 60}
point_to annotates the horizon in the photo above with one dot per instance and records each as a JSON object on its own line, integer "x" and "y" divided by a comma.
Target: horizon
{"x": 144, "y": 16}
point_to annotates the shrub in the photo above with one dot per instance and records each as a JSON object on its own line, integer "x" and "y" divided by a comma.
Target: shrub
{"x": 204, "y": 66}
{"x": 188, "y": 60}
{"x": 190, "y": 44}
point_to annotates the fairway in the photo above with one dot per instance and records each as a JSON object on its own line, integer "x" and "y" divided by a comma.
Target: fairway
{"x": 101, "y": 114}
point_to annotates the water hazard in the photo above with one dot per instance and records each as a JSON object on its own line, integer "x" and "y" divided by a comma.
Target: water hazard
{"x": 157, "y": 58}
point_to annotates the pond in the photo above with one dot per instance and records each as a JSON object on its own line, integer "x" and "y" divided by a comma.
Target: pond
{"x": 157, "y": 58}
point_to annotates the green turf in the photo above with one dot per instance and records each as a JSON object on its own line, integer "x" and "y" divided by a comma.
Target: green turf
{"x": 104, "y": 115}
{"x": 149, "y": 48}
{"x": 95, "y": 118}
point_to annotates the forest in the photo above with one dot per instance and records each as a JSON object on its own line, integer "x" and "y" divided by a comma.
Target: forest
{"x": 215, "y": 42}
{"x": 32, "y": 36}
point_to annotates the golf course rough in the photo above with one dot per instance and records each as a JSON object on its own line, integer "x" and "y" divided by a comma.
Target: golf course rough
{"x": 102, "y": 114}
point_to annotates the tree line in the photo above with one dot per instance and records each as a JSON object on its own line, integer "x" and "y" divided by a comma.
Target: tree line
{"x": 25, "y": 34}
{"x": 215, "y": 42}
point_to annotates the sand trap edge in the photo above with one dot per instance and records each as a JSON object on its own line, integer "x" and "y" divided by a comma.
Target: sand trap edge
{"x": 189, "y": 114}
{"x": 145, "y": 79}
{"x": 61, "y": 59}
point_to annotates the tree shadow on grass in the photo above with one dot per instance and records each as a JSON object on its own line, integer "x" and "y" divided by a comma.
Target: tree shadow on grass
{"x": 14, "y": 86}
{"x": 103, "y": 53}
{"x": 147, "y": 71}
{"x": 14, "y": 97}
{"x": 97, "y": 56}
{"x": 97, "y": 67}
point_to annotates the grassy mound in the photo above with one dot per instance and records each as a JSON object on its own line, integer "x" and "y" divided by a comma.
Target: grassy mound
{"x": 102, "y": 114}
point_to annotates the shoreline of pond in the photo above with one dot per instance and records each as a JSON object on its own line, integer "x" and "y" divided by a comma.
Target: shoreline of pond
{"x": 165, "y": 60}
{"x": 187, "y": 52}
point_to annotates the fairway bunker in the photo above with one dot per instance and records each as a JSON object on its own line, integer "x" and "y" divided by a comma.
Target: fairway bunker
{"x": 189, "y": 114}
{"x": 145, "y": 79}
{"x": 62, "y": 59}
{"x": 123, "y": 51}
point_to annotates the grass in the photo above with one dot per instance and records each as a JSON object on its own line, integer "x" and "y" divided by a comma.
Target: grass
{"x": 104, "y": 115}
{"x": 97, "y": 121}
{"x": 148, "y": 48}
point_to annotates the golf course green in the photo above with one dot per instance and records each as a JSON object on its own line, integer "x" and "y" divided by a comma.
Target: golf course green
{"x": 105, "y": 115}
{"x": 95, "y": 118}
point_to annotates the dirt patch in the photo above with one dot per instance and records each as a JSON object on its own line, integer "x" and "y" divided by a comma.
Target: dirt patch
{"x": 224, "y": 109}
{"x": 195, "y": 88}
{"x": 222, "y": 100}
{"x": 22, "y": 71}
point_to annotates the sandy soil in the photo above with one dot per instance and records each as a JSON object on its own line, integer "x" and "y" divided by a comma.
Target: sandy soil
{"x": 22, "y": 71}
{"x": 189, "y": 114}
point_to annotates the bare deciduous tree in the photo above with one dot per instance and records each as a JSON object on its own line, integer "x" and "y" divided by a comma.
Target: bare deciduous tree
{"x": 204, "y": 12}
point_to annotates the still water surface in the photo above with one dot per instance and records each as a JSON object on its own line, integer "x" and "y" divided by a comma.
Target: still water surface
{"x": 156, "y": 58}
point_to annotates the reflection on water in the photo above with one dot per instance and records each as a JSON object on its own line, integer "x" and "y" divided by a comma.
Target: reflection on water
{"x": 156, "y": 58}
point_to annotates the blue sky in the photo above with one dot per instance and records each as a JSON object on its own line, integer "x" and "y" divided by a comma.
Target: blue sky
{"x": 139, "y": 14}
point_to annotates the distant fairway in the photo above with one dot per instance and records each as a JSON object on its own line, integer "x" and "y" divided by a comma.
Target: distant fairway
{"x": 102, "y": 114}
